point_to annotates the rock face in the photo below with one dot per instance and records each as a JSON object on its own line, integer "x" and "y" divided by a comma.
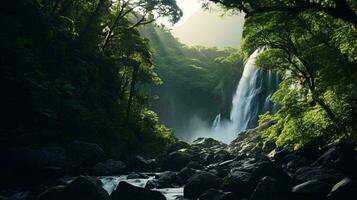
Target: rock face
{"x": 125, "y": 191}
{"x": 80, "y": 188}
{"x": 199, "y": 183}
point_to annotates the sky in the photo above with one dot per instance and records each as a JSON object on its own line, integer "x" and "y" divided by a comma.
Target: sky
{"x": 189, "y": 7}
{"x": 207, "y": 28}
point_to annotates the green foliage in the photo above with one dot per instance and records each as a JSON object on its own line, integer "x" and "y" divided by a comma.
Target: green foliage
{"x": 191, "y": 75}
{"x": 314, "y": 54}
{"x": 71, "y": 71}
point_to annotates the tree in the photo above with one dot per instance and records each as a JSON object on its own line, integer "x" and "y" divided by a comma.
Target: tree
{"x": 343, "y": 9}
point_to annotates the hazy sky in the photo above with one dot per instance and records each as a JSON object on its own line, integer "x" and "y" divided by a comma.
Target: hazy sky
{"x": 189, "y": 7}
{"x": 207, "y": 28}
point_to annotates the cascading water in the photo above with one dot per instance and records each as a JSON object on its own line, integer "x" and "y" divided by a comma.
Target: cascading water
{"x": 251, "y": 98}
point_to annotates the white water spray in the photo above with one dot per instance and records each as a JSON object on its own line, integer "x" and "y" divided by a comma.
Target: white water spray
{"x": 251, "y": 98}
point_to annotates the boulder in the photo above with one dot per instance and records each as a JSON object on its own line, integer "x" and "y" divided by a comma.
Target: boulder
{"x": 126, "y": 191}
{"x": 136, "y": 175}
{"x": 199, "y": 183}
{"x": 207, "y": 143}
{"x": 109, "y": 167}
{"x": 30, "y": 166}
{"x": 82, "y": 155}
{"x": 176, "y": 160}
{"x": 323, "y": 174}
{"x": 194, "y": 165}
{"x": 186, "y": 173}
{"x": 346, "y": 189}
{"x": 268, "y": 189}
{"x": 80, "y": 188}
{"x": 213, "y": 194}
{"x": 340, "y": 156}
{"x": 239, "y": 182}
{"x": 178, "y": 145}
{"x": 139, "y": 163}
{"x": 311, "y": 190}
{"x": 168, "y": 180}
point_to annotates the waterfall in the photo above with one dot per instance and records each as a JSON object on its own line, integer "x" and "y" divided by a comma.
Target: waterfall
{"x": 251, "y": 98}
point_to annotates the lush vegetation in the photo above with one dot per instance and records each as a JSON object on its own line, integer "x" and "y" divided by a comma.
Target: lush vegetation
{"x": 313, "y": 45}
{"x": 71, "y": 70}
{"x": 198, "y": 81}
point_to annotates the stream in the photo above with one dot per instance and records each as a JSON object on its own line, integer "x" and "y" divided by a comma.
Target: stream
{"x": 111, "y": 182}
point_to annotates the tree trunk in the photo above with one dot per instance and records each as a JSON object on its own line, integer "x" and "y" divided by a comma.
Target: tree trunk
{"x": 132, "y": 88}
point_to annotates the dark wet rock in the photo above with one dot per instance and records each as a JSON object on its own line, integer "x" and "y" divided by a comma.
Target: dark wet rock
{"x": 239, "y": 182}
{"x": 194, "y": 165}
{"x": 140, "y": 163}
{"x": 260, "y": 169}
{"x": 168, "y": 180}
{"x": 186, "y": 173}
{"x": 177, "y": 146}
{"x": 213, "y": 194}
{"x": 126, "y": 191}
{"x": 29, "y": 166}
{"x": 204, "y": 143}
{"x": 323, "y": 174}
{"x": 279, "y": 155}
{"x": 269, "y": 189}
{"x": 199, "y": 183}
{"x": 176, "y": 160}
{"x": 109, "y": 167}
{"x": 151, "y": 184}
{"x": 136, "y": 175}
{"x": 81, "y": 155}
{"x": 312, "y": 189}
{"x": 80, "y": 188}
{"x": 346, "y": 189}
{"x": 268, "y": 146}
{"x": 3, "y": 198}
{"x": 340, "y": 156}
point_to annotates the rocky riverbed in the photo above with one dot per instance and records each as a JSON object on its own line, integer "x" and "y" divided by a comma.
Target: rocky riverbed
{"x": 246, "y": 169}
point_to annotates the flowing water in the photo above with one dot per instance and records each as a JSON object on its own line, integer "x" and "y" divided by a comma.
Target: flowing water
{"x": 251, "y": 98}
{"x": 111, "y": 182}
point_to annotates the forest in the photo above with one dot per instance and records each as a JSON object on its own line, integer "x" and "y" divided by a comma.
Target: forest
{"x": 98, "y": 98}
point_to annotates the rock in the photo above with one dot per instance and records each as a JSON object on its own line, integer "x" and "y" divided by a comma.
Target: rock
{"x": 126, "y": 191}
{"x": 80, "y": 188}
{"x": 312, "y": 189}
{"x": 213, "y": 194}
{"x": 346, "y": 189}
{"x": 136, "y": 175}
{"x": 323, "y": 174}
{"x": 83, "y": 155}
{"x": 177, "y": 146}
{"x": 199, "y": 183}
{"x": 239, "y": 182}
{"x": 194, "y": 165}
{"x": 176, "y": 160}
{"x": 139, "y": 163}
{"x": 205, "y": 143}
{"x": 109, "y": 167}
{"x": 268, "y": 146}
{"x": 29, "y": 166}
{"x": 151, "y": 184}
{"x": 260, "y": 167}
{"x": 268, "y": 189}
{"x": 168, "y": 180}
{"x": 340, "y": 156}
{"x": 186, "y": 173}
